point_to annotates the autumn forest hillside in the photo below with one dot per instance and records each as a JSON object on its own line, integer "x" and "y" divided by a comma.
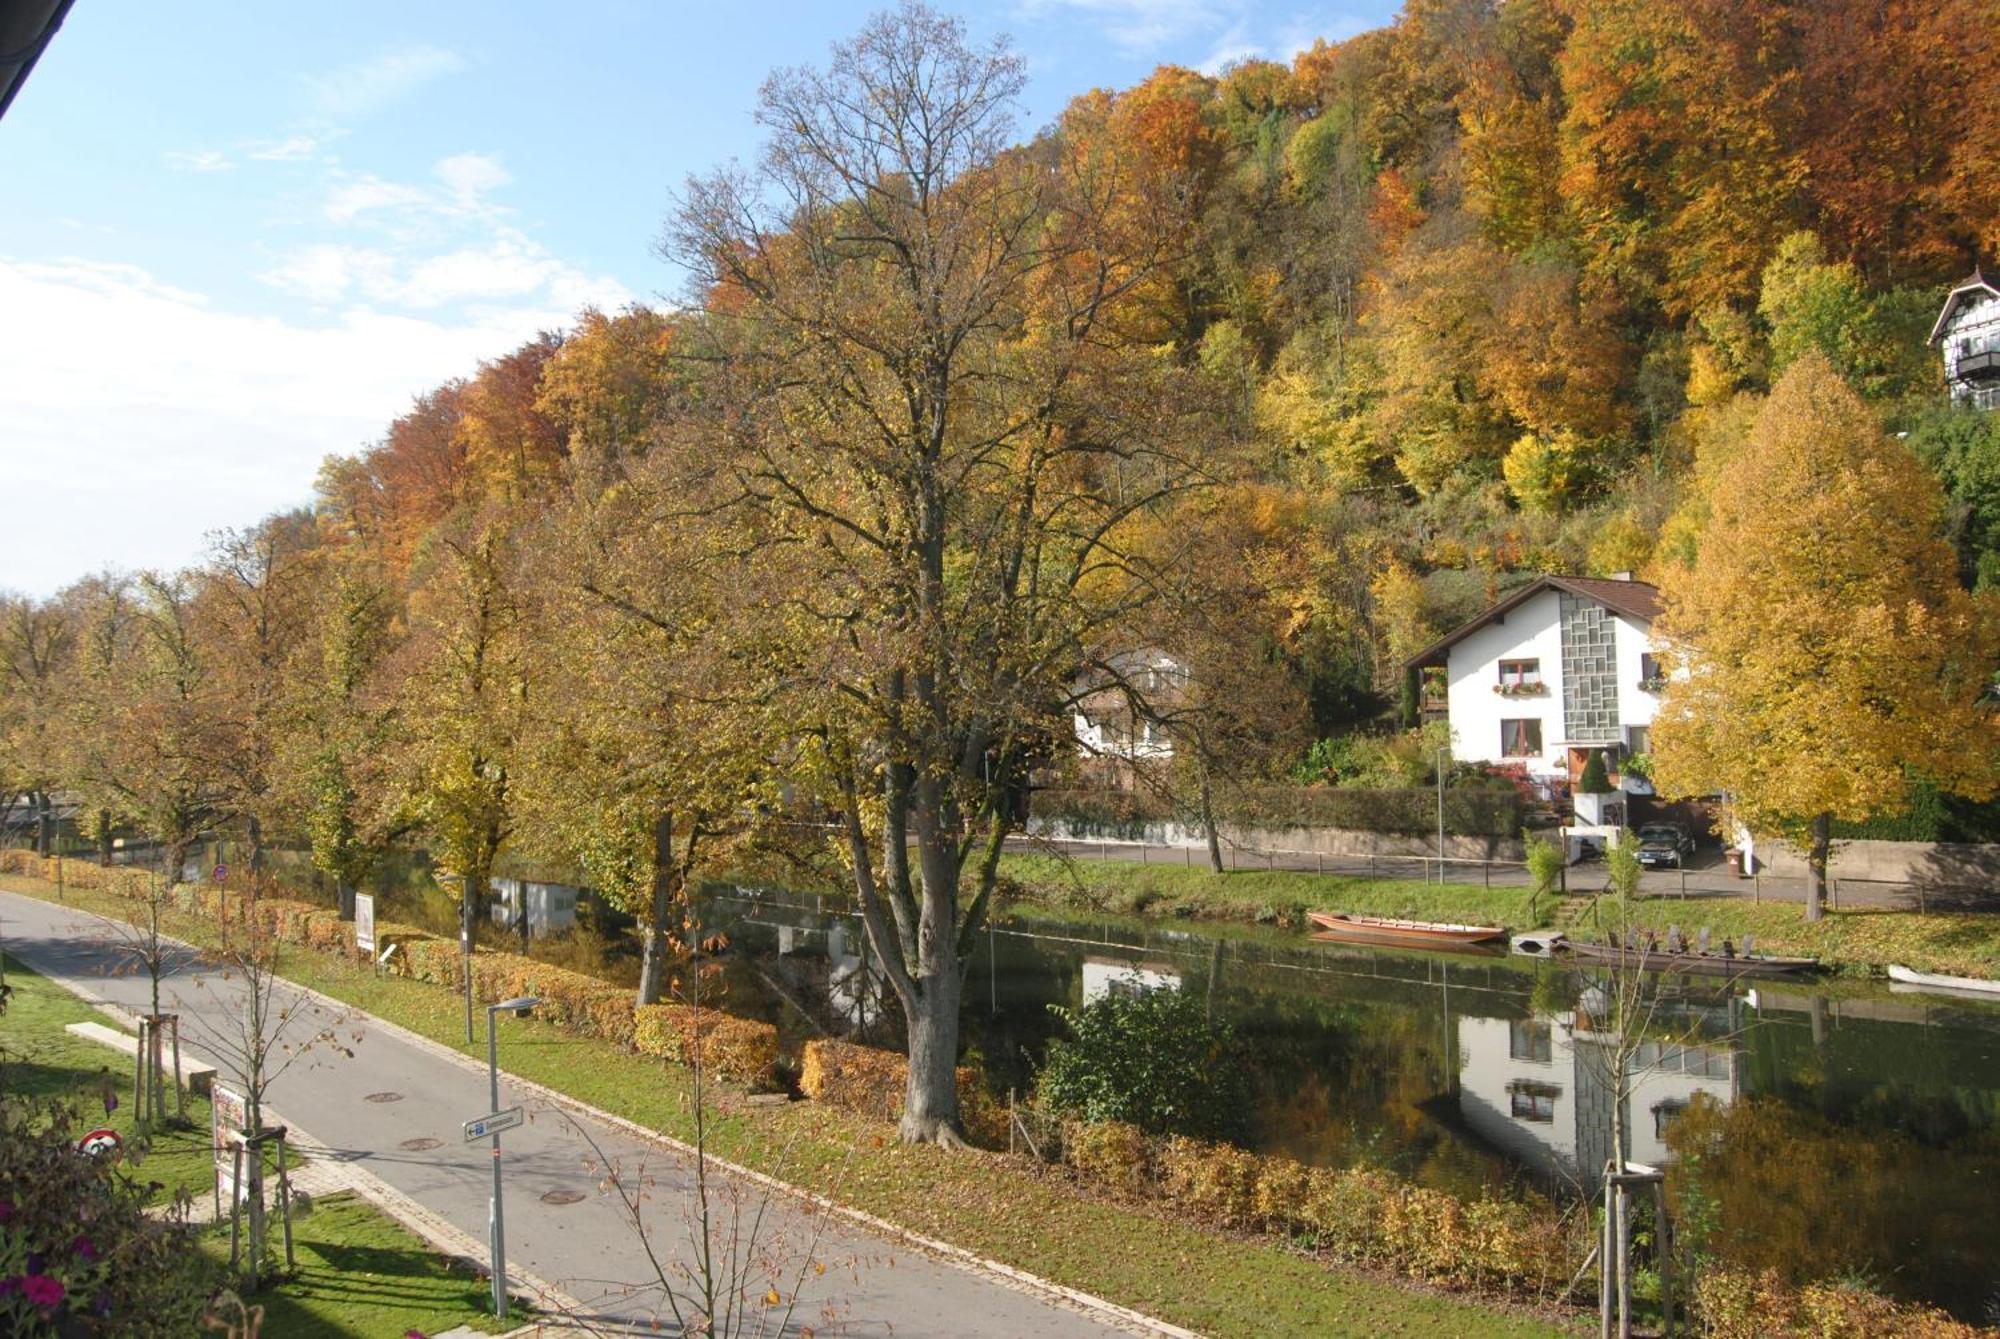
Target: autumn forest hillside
{"x": 1481, "y": 293}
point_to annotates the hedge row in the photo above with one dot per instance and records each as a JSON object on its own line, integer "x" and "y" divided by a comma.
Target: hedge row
{"x": 735, "y": 1048}
{"x": 872, "y": 1081}
{"x": 1524, "y": 1246}
{"x": 123, "y": 880}
{"x": 1734, "y": 1304}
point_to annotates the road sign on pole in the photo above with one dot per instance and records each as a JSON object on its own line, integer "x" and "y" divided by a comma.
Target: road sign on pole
{"x": 493, "y": 1124}
{"x": 221, "y": 872}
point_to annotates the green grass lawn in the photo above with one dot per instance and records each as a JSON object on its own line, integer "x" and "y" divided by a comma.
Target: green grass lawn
{"x": 360, "y": 1273}
{"x": 1961, "y": 943}
{"x": 42, "y": 1060}
{"x": 1127, "y": 887}
{"x": 1012, "y": 1210}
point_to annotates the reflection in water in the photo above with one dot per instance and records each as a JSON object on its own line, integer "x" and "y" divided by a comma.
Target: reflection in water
{"x": 1809, "y": 1133}
{"x": 1541, "y": 1088}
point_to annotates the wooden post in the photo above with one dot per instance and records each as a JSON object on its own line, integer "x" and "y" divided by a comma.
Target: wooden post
{"x": 1624, "y": 1260}
{"x": 1663, "y": 1238}
{"x": 235, "y": 1199}
{"x": 1606, "y": 1258}
{"x": 139, "y": 1078}
{"x": 285, "y": 1202}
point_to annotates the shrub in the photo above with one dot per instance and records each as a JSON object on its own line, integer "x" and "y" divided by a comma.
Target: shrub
{"x": 1111, "y": 1153}
{"x": 78, "y": 1252}
{"x": 435, "y": 960}
{"x": 1216, "y": 1181}
{"x": 872, "y": 1081}
{"x": 1151, "y": 1058}
{"x": 734, "y": 1048}
{"x": 608, "y": 1014}
{"x": 1738, "y": 1304}
{"x": 1345, "y": 1209}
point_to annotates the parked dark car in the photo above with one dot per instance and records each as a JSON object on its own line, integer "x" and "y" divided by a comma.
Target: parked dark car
{"x": 1664, "y": 845}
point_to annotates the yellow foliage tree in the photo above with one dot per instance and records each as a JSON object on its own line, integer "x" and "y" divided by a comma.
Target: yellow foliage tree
{"x": 1826, "y": 650}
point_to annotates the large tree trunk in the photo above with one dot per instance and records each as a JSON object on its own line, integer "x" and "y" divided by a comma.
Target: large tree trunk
{"x": 104, "y": 837}
{"x": 1816, "y": 858}
{"x": 344, "y": 893}
{"x": 930, "y": 1099}
{"x": 44, "y": 824}
{"x": 653, "y": 931}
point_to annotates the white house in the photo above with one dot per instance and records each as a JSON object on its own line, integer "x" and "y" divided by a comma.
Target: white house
{"x": 1115, "y": 709}
{"x": 1968, "y": 330}
{"x": 1560, "y": 668}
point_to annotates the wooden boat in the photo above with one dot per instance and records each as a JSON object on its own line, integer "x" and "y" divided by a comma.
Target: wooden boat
{"x": 1967, "y": 985}
{"x": 1686, "y": 961}
{"x": 1342, "y": 927}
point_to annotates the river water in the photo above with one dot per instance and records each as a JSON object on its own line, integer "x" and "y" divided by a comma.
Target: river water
{"x": 1839, "y": 1130}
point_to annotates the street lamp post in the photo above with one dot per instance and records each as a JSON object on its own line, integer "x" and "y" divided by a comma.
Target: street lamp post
{"x": 498, "y": 1244}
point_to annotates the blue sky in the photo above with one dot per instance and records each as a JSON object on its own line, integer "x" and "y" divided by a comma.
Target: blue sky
{"x": 235, "y": 238}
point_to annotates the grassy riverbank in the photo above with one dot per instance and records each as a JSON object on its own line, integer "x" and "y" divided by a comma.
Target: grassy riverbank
{"x": 360, "y": 1272}
{"x": 1861, "y": 940}
{"x": 1011, "y": 1210}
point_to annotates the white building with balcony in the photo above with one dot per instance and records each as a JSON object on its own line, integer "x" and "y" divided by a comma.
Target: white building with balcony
{"x": 1562, "y": 667}
{"x": 1968, "y": 332}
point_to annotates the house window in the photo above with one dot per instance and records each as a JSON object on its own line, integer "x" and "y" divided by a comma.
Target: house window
{"x": 1652, "y": 677}
{"x": 1665, "y": 1114}
{"x": 1533, "y": 1101}
{"x": 1530, "y": 1039}
{"x": 1521, "y": 739}
{"x": 1520, "y": 673}
{"x": 1638, "y": 739}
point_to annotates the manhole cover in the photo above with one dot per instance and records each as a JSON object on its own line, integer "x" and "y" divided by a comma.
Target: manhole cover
{"x": 422, "y": 1145}
{"x": 562, "y": 1197}
{"x": 384, "y": 1097}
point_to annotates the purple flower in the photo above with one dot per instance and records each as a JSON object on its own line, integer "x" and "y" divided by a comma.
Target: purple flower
{"x": 42, "y": 1290}
{"x": 102, "y": 1306}
{"x": 84, "y": 1247}
{"x": 8, "y": 1287}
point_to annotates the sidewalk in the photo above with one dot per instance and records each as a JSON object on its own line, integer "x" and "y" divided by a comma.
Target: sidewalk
{"x": 387, "y": 1124}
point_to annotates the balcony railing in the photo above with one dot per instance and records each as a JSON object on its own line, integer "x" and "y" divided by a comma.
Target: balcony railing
{"x": 1522, "y": 689}
{"x": 1982, "y": 366}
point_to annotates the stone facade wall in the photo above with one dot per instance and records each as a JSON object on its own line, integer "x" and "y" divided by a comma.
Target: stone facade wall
{"x": 1589, "y": 672}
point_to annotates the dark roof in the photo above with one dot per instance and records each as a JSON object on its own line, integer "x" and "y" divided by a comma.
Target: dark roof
{"x": 25, "y": 29}
{"x": 1975, "y": 282}
{"x": 1637, "y": 600}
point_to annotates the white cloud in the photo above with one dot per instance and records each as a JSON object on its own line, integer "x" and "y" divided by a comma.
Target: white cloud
{"x": 200, "y": 160}
{"x": 507, "y": 268}
{"x": 388, "y": 77}
{"x": 140, "y": 416}
{"x": 370, "y": 194}
{"x": 462, "y": 183}
{"x": 468, "y": 176}
{"x": 290, "y": 149}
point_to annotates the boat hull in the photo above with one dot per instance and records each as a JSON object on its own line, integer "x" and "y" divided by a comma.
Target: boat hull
{"x": 1963, "y": 985}
{"x": 1401, "y": 934}
{"x": 1689, "y": 964}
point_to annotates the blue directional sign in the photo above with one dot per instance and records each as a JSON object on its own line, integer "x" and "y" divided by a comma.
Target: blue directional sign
{"x": 486, "y": 1126}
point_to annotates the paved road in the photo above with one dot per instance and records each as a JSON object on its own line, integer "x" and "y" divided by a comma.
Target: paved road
{"x": 586, "y": 1248}
{"x": 1706, "y": 876}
